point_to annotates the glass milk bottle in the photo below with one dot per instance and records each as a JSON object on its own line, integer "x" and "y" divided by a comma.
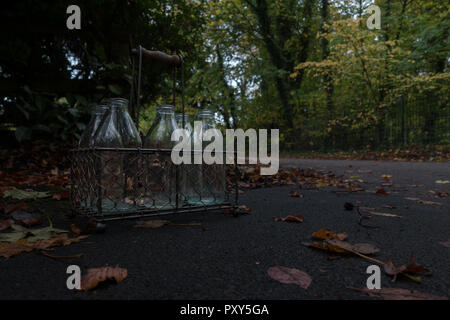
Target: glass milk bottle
{"x": 130, "y": 160}
{"x": 87, "y": 137}
{"x": 160, "y": 186}
{"x": 88, "y": 198}
{"x": 109, "y": 180}
{"x": 187, "y": 173}
{"x": 212, "y": 188}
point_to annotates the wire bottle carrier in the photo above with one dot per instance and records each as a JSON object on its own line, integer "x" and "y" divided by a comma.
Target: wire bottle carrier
{"x": 115, "y": 183}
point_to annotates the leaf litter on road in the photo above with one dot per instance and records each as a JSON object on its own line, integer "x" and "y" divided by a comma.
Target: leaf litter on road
{"x": 9, "y": 249}
{"x": 31, "y": 235}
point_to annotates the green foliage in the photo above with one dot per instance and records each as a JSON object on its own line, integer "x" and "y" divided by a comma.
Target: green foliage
{"x": 310, "y": 68}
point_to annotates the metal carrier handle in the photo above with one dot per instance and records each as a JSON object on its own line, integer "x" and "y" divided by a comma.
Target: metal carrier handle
{"x": 174, "y": 61}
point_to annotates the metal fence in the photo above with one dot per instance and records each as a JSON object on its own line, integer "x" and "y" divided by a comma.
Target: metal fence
{"x": 410, "y": 122}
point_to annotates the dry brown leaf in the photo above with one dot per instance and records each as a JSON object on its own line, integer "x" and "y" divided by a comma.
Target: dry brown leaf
{"x": 392, "y": 270}
{"x": 9, "y": 249}
{"x": 290, "y": 276}
{"x": 15, "y": 207}
{"x": 75, "y": 229}
{"x": 5, "y": 224}
{"x": 295, "y": 194}
{"x": 76, "y": 256}
{"x": 26, "y": 219}
{"x": 411, "y": 268}
{"x": 363, "y": 248}
{"x": 424, "y": 201}
{"x": 446, "y": 244}
{"x": 298, "y": 218}
{"x": 227, "y": 210}
{"x": 384, "y": 214}
{"x": 382, "y": 192}
{"x": 323, "y": 246}
{"x": 325, "y": 233}
{"x": 63, "y": 195}
{"x": 92, "y": 226}
{"x": 397, "y": 294}
{"x": 245, "y": 208}
{"x": 96, "y": 275}
{"x": 151, "y": 223}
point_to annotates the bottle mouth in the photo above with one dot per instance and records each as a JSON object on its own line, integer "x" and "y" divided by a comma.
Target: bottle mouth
{"x": 117, "y": 101}
{"x": 166, "y": 108}
{"x": 180, "y": 116}
{"x": 205, "y": 113}
{"x": 100, "y": 109}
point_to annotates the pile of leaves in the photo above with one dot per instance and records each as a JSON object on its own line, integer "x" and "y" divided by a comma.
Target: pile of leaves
{"x": 40, "y": 163}
{"x": 437, "y": 153}
{"x": 249, "y": 176}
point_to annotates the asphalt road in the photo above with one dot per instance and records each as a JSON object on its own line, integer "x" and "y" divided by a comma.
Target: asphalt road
{"x": 228, "y": 257}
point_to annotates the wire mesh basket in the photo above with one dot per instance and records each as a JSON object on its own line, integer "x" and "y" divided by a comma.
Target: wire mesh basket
{"x": 123, "y": 183}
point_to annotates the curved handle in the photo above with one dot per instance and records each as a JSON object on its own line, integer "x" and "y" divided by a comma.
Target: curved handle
{"x": 170, "y": 60}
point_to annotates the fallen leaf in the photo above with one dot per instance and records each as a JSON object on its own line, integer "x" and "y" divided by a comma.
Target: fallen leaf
{"x": 424, "y": 201}
{"x": 397, "y": 294}
{"x": 227, "y": 210}
{"x": 245, "y": 208}
{"x": 5, "y": 224}
{"x": 325, "y": 233}
{"x": 76, "y": 256}
{"x": 15, "y": 207}
{"x": 8, "y": 249}
{"x": 75, "y": 229}
{"x": 19, "y": 194}
{"x": 384, "y": 214}
{"x": 386, "y": 176}
{"x": 92, "y": 226}
{"x": 363, "y": 248}
{"x": 96, "y": 275}
{"x": 446, "y": 244}
{"x": 290, "y": 276}
{"x": 298, "y": 218}
{"x": 26, "y": 219}
{"x": 392, "y": 270}
{"x": 63, "y": 195}
{"x": 411, "y": 268}
{"x": 295, "y": 194}
{"x": 151, "y": 223}
{"x": 32, "y": 235}
{"x": 382, "y": 192}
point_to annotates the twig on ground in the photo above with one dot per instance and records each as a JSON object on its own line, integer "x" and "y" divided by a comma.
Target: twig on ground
{"x": 76, "y": 256}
